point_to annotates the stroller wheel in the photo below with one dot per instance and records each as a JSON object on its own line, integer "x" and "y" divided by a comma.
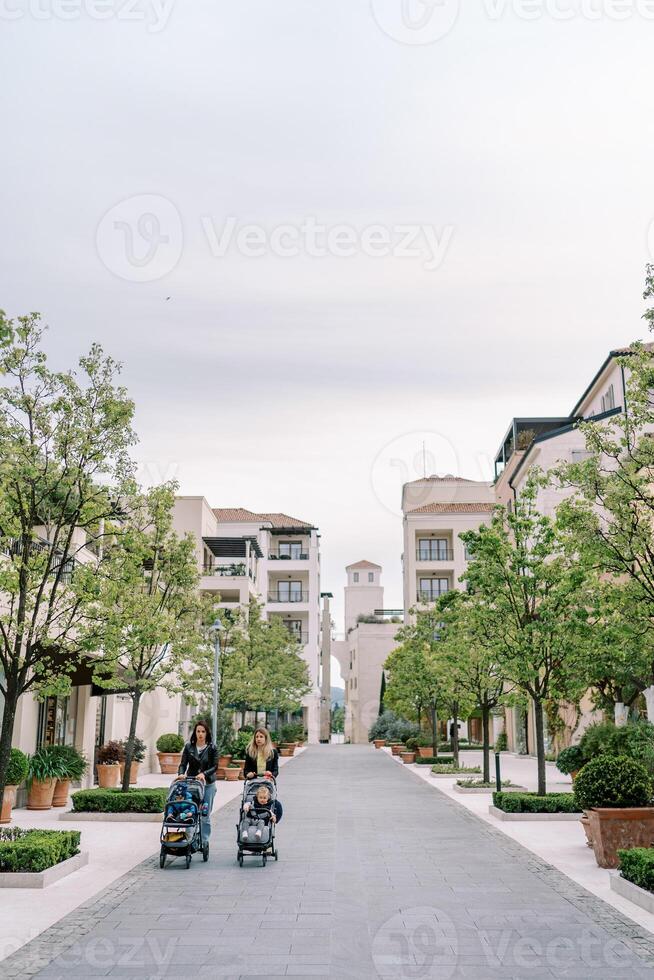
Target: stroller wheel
{"x": 240, "y": 860}
{"x": 205, "y": 852}
{"x": 276, "y": 854}
{"x": 188, "y": 860}
{"x": 162, "y": 858}
{"x": 264, "y": 859}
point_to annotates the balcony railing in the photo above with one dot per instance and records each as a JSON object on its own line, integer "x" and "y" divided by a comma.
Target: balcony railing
{"x": 13, "y": 548}
{"x": 430, "y": 595}
{"x": 277, "y": 596}
{"x": 301, "y": 638}
{"x": 296, "y": 556}
{"x": 442, "y": 554}
{"x": 233, "y": 570}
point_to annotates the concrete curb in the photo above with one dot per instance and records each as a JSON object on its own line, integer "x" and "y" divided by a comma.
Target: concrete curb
{"x": 475, "y": 789}
{"x": 529, "y": 817}
{"x": 41, "y": 879}
{"x": 71, "y": 817}
{"x": 633, "y": 893}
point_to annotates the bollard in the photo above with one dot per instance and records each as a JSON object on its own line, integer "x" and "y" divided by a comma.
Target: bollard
{"x": 498, "y": 778}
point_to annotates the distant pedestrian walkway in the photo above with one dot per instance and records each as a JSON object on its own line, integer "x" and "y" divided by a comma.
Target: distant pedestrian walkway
{"x": 379, "y": 876}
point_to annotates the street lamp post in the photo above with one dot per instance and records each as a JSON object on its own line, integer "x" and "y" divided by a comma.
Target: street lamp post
{"x": 216, "y": 629}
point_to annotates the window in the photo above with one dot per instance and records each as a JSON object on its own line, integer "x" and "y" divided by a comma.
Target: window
{"x": 294, "y": 627}
{"x": 433, "y": 549}
{"x": 355, "y": 577}
{"x": 432, "y": 588}
{"x": 290, "y": 549}
{"x": 371, "y": 576}
{"x": 289, "y": 591}
{"x": 608, "y": 400}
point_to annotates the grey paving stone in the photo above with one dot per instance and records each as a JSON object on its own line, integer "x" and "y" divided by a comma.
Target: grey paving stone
{"x": 351, "y": 898}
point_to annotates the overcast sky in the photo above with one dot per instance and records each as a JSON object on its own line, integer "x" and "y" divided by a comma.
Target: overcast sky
{"x": 511, "y": 158}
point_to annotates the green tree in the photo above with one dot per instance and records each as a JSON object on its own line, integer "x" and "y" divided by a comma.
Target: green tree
{"x": 146, "y": 613}
{"x": 338, "y": 719}
{"x": 534, "y": 593}
{"x": 64, "y": 440}
{"x": 470, "y": 658}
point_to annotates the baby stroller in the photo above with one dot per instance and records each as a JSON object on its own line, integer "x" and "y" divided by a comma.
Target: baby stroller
{"x": 265, "y": 844}
{"x": 181, "y": 830}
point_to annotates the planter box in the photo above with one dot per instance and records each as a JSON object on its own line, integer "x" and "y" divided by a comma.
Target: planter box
{"x": 108, "y": 776}
{"x": 491, "y": 789}
{"x": 62, "y": 789}
{"x": 425, "y": 751}
{"x": 8, "y": 801}
{"x": 613, "y": 828}
{"x": 379, "y": 742}
{"x": 133, "y": 772}
{"x": 41, "y": 879}
{"x": 169, "y": 762}
{"x": 71, "y": 817}
{"x": 633, "y": 893}
{"x": 408, "y": 758}
{"x": 530, "y": 817}
{"x": 40, "y": 794}
{"x": 396, "y": 748}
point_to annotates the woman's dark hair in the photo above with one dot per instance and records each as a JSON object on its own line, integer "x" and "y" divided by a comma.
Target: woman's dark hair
{"x": 201, "y": 724}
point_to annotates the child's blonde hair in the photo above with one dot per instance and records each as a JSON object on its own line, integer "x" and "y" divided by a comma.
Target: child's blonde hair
{"x": 263, "y": 789}
{"x": 268, "y": 750}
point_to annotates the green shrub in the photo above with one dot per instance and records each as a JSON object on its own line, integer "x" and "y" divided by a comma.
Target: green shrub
{"x": 453, "y": 770}
{"x": 110, "y": 754}
{"x": 570, "y": 760}
{"x": 443, "y": 760}
{"x": 502, "y": 742}
{"x": 635, "y": 740}
{"x": 73, "y": 764}
{"x": 44, "y": 764}
{"x": 613, "y": 781}
{"x": 17, "y": 769}
{"x": 400, "y": 730}
{"x": 36, "y": 850}
{"x": 380, "y": 727}
{"x": 240, "y": 743}
{"x": 115, "y": 801}
{"x": 480, "y": 784}
{"x": 138, "y": 752}
{"x": 532, "y": 803}
{"x": 637, "y": 866}
{"x": 170, "y": 742}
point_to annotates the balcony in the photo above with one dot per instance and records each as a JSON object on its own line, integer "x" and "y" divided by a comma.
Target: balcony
{"x": 287, "y": 596}
{"x": 295, "y": 555}
{"x": 301, "y": 638}
{"x": 430, "y": 595}
{"x": 233, "y": 570}
{"x": 441, "y": 554}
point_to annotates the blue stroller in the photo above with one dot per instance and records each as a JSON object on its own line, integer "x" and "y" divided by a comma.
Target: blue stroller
{"x": 181, "y": 830}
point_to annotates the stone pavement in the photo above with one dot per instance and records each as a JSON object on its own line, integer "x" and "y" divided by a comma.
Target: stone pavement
{"x": 379, "y": 877}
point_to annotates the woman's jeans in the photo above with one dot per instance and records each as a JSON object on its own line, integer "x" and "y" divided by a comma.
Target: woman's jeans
{"x": 209, "y": 794}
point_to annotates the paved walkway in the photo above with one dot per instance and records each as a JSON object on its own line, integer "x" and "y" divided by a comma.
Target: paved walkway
{"x": 379, "y": 877}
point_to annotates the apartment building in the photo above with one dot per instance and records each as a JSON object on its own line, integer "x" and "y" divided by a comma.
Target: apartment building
{"x": 369, "y": 638}
{"x": 271, "y": 557}
{"x": 544, "y": 443}
{"x": 436, "y": 510}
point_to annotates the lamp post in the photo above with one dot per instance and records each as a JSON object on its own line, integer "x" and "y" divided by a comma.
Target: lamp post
{"x": 216, "y": 629}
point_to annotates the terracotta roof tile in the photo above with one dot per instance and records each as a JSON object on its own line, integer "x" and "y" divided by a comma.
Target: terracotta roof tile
{"x": 455, "y": 508}
{"x": 448, "y": 478}
{"x": 363, "y": 564}
{"x": 240, "y": 515}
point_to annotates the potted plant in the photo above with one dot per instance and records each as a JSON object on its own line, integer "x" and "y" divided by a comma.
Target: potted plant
{"x": 108, "y": 765}
{"x": 169, "y": 753}
{"x": 17, "y": 771}
{"x": 138, "y": 756}
{"x": 616, "y": 793}
{"x": 232, "y": 772}
{"x": 286, "y": 750}
{"x": 570, "y": 761}
{"x": 73, "y": 765}
{"x": 44, "y": 770}
{"x": 397, "y": 747}
{"x": 409, "y": 755}
{"x": 424, "y": 746}
{"x": 224, "y": 761}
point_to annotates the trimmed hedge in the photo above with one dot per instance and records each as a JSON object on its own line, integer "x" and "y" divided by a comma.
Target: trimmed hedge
{"x": 115, "y": 801}
{"x": 532, "y": 803}
{"x": 36, "y": 850}
{"x": 432, "y": 760}
{"x": 613, "y": 781}
{"x": 461, "y": 770}
{"x": 170, "y": 742}
{"x": 637, "y": 866}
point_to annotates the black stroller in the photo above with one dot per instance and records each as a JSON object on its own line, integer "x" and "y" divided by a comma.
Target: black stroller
{"x": 181, "y": 830}
{"x": 260, "y": 841}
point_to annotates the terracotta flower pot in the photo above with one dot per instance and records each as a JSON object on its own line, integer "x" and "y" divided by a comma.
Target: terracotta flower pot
{"x": 224, "y": 761}
{"x": 133, "y": 772}
{"x": 108, "y": 776}
{"x": 231, "y": 775}
{"x": 396, "y": 748}
{"x": 613, "y": 828}
{"x": 8, "y": 800}
{"x": 408, "y": 758}
{"x": 379, "y": 742}
{"x": 425, "y": 751}
{"x": 285, "y": 752}
{"x": 62, "y": 788}
{"x": 289, "y": 747}
{"x": 169, "y": 762}
{"x": 220, "y": 772}
{"x": 39, "y": 796}
{"x": 585, "y": 823}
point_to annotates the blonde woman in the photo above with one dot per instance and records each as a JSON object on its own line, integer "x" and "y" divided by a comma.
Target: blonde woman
{"x": 261, "y": 758}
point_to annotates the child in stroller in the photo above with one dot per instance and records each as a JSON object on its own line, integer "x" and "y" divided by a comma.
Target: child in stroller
{"x": 257, "y": 819}
{"x": 181, "y": 831}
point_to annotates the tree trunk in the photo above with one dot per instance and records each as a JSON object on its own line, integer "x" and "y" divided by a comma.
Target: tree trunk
{"x": 129, "y": 747}
{"x": 649, "y": 700}
{"x": 434, "y": 731}
{"x": 620, "y": 713}
{"x": 6, "y": 736}
{"x": 540, "y": 747}
{"x": 455, "y": 734}
{"x": 485, "y": 723}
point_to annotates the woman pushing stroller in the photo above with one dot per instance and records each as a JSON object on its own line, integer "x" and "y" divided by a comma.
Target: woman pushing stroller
{"x": 199, "y": 761}
{"x": 261, "y": 757}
